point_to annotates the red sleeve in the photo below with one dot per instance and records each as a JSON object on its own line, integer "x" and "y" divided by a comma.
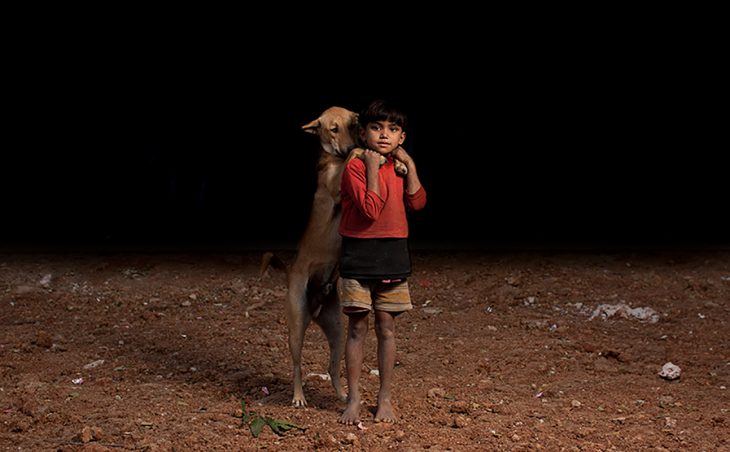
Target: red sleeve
{"x": 354, "y": 182}
{"x": 417, "y": 200}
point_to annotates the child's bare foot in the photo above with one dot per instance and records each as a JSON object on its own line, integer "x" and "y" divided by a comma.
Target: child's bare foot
{"x": 351, "y": 415}
{"x": 385, "y": 412}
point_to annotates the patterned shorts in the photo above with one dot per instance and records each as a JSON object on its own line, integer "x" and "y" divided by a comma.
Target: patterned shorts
{"x": 374, "y": 294}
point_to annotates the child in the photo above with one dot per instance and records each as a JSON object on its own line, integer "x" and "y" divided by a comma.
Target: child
{"x": 375, "y": 261}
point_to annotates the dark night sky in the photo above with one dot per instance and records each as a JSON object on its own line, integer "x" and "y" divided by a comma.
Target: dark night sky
{"x": 516, "y": 148}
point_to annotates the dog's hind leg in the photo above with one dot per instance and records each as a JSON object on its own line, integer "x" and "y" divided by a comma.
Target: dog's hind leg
{"x": 298, "y": 318}
{"x": 330, "y": 320}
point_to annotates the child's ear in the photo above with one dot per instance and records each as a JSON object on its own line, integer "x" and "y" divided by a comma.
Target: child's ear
{"x": 402, "y": 137}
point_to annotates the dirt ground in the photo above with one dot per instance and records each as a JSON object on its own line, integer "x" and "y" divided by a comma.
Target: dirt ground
{"x": 503, "y": 351}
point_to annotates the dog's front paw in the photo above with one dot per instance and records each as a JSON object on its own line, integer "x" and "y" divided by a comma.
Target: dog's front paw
{"x": 401, "y": 168}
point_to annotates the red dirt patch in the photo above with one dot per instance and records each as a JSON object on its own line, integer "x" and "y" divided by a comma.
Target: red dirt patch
{"x": 498, "y": 354}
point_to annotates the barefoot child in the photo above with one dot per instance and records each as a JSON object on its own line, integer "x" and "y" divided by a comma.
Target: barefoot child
{"x": 375, "y": 260}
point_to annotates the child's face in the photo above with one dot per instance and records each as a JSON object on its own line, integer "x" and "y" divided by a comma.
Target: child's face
{"x": 383, "y": 136}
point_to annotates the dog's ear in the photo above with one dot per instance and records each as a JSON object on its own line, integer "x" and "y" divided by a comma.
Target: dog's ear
{"x": 354, "y": 122}
{"x": 312, "y": 127}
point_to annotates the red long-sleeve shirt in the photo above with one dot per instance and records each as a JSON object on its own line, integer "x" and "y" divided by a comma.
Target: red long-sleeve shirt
{"x": 366, "y": 215}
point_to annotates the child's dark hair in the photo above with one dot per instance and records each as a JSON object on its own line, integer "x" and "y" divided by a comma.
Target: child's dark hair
{"x": 380, "y": 110}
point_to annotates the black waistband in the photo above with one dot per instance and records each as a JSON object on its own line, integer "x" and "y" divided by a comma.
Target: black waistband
{"x": 383, "y": 258}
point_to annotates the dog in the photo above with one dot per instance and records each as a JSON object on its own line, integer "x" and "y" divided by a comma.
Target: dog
{"x": 312, "y": 279}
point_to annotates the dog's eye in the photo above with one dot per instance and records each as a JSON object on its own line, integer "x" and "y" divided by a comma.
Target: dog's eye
{"x": 335, "y": 129}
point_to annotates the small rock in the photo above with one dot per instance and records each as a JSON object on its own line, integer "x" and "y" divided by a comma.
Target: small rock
{"x": 323, "y": 377}
{"x": 351, "y": 438}
{"x": 186, "y": 303}
{"x": 459, "y": 422}
{"x": 46, "y": 280}
{"x": 575, "y": 404}
{"x": 94, "y": 364}
{"x": 605, "y": 311}
{"x": 460, "y": 407}
{"x": 89, "y": 434}
{"x": 670, "y": 371}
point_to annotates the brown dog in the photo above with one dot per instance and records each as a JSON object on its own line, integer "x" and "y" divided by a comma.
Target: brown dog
{"x": 312, "y": 291}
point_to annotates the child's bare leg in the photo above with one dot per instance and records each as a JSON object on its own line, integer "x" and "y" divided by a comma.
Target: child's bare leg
{"x": 385, "y": 328}
{"x": 356, "y": 331}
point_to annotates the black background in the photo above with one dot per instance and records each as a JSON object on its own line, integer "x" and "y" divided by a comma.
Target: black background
{"x": 559, "y": 143}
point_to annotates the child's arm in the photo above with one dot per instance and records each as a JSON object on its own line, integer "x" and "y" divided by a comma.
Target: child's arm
{"x": 413, "y": 183}
{"x": 355, "y": 183}
{"x": 372, "y": 164}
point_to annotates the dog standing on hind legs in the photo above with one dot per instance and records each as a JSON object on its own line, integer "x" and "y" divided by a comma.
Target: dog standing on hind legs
{"x": 312, "y": 280}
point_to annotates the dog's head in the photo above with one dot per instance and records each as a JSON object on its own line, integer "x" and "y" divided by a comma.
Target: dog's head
{"x": 337, "y": 130}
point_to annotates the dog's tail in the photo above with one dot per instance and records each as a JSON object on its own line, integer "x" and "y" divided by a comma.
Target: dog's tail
{"x": 270, "y": 259}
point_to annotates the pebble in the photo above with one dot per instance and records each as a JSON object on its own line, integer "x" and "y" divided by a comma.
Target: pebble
{"x": 459, "y": 422}
{"x": 670, "y": 371}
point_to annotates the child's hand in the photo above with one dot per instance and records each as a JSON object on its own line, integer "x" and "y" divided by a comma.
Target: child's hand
{"x": 402, "y": 155}
{"x": 372, "y": 160}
